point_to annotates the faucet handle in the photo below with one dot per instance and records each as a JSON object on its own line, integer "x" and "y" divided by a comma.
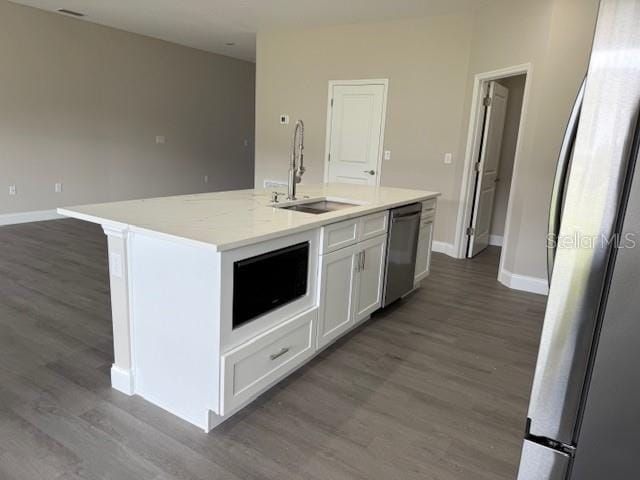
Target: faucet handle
{"x": 274, "y": 196}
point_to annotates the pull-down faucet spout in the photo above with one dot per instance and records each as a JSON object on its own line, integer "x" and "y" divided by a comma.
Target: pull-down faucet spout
{"x": 296, "y": 165}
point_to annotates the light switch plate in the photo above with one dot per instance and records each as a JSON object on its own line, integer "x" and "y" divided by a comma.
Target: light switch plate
{"x": 387, "y": 154}
{"x": 448, "y": 158}
{"x": 12, "y": 189}
{"x": 58, "y": 187}
{"x": 161, "y": 139}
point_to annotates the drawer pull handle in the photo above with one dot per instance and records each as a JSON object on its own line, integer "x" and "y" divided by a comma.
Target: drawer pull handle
{"x": 274, "y": 356}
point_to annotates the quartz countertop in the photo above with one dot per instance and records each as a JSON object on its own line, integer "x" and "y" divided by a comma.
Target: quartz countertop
{"x": 228, "y": 220}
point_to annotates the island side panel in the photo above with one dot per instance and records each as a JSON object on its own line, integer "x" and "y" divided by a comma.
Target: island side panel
{"x": 122, "y": 378}
{"x": 176, "y": 304}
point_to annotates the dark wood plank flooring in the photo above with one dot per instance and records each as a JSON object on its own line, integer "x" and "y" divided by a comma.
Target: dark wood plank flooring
{"x": 435, "y": 387}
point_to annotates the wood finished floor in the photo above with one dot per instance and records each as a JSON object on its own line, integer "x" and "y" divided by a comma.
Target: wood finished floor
{"x": 435, "y": 387}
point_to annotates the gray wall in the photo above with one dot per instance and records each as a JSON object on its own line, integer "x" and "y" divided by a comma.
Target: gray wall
{"x": 431, "y": 64}
{"x": 515, "y": 85}
{"x": 82, "y": 104}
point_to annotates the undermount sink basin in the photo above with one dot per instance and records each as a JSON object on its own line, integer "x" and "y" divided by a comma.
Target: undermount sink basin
{"x": 318, "y": 207}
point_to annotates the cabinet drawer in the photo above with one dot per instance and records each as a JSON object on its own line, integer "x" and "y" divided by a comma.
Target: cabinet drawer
{"x": 429, "y": 207}
{"x": 339, "y": 235}
{"x": 424, "y": 221}
{"x": 250, "y": 368}
{"x": 373, "y": 225}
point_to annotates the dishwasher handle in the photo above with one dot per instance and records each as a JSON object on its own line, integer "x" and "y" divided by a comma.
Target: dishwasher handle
{"x": 406, "y": 217}
{"x": 406, "y": 211}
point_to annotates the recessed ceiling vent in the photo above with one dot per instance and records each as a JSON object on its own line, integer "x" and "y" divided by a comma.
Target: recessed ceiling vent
{"x": 70, "y": 12}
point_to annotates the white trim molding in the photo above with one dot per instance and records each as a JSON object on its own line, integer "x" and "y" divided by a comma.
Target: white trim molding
{"x": 444, "y": 247}
{"x": 524, "y": 282}
{"x": 495, "y": 240}
{"x": 122, "y": 380}
{"x": 27, "y": 217}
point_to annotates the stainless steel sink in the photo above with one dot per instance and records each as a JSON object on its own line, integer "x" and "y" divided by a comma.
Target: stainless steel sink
{"x": 318, "y": 207}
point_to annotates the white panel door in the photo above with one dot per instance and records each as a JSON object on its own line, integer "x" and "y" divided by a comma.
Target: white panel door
{"x": 371, "y": 259}
{"x": 337, "y": 291}
{"x": 487, "y": 167}
{"x": 355, "y": 133}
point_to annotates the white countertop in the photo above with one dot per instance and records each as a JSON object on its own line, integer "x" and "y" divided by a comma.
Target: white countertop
{"x": 227, "y": 220}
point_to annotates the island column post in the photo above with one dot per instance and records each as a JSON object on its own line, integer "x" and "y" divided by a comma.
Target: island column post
{"x": 122, "y": 375}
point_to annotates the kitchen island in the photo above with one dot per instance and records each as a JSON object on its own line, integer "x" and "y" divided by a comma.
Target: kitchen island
{"x": 216, "y": 297}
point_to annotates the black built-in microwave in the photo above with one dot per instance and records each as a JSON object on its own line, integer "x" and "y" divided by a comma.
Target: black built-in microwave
{"x": 268, "y": 281}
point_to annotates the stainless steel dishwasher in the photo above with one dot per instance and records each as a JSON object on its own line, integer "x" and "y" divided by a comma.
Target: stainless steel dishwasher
{"x": 402, "y": 245}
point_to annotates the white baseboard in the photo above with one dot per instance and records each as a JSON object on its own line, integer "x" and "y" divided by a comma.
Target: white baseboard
{"x": 443, "y": 247}
{"x": 495, "y": 240}
{"x": 27, "y": 217}
{"x": 122, "y": 380}
{"x": 524, "y": 282}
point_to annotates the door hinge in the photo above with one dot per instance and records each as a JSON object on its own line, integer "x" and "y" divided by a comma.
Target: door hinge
{"x": 329, "y": 158}
{"x": 487, "y": 101}
{"x": 470, "y": 231}
{"x": 332, "y": 102}
{"x": 476, "y": 167}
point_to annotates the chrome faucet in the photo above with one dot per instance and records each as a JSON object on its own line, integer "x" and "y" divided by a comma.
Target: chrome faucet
{"x": 296, "y": 165}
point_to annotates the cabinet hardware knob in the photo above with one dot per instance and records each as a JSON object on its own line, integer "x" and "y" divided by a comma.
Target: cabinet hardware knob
{"x": 274, "y": 356}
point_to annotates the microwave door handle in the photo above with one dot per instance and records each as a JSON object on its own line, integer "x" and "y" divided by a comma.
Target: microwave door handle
{"x": 562, "y": 170}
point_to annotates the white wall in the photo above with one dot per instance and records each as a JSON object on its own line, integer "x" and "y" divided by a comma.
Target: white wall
{"x": 431, "y": 63}
{"x": 82, "y": 104}
{"x": 515, "y": 85}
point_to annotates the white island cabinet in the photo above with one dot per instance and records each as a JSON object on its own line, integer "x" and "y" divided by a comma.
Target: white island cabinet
{"x": 425, "y": 241}
{"x": 351, "y": 273}
{"x": 216, "y": 297}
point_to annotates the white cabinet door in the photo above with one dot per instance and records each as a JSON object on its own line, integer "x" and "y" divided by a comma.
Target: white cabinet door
{"x": 337, "y": 291}
{"x": 423, "y": 256}
{"x": 371, "y": 257}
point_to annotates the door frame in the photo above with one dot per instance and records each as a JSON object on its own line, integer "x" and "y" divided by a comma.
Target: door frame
{"x": 327, "y": 145}
{"x": 474, "y": 140}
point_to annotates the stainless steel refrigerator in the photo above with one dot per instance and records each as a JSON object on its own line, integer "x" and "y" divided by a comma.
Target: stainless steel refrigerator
{"x": 584, "y": 413}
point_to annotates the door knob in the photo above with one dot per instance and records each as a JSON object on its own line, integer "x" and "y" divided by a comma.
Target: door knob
{"x": 370, "y": 172}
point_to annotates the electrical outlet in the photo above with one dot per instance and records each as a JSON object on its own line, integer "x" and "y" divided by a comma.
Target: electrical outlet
{"x": 161, "y": 139}
{"x": 284, "y": 119}
{"x": 115, "y": 265}
{"x": 58, "y": 187}
{"x": 12, "y": 189}
{"x": 387, "y": 154}
{"x": 205, "y": 179}
{"x": 448, "y": 158}
{"x": 245, "y": 143}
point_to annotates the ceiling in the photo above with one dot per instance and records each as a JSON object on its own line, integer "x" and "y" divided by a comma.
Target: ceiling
{"x": 209, "y": 24}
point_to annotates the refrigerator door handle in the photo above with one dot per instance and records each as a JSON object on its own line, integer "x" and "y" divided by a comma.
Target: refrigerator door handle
{"x": 562, "y": 170}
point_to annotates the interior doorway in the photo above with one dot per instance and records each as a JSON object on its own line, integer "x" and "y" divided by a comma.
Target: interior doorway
{"x": 497, "y": 117}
